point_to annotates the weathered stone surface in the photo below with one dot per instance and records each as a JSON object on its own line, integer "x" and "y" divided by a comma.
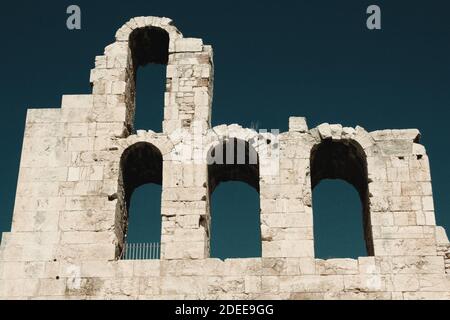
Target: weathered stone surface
{"x": 71, "y": 211}
{"x": 298, "y": 124}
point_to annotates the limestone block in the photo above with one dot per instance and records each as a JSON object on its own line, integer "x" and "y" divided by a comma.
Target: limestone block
{"x": 336, "y": 131}
{"x": 185, "y": 268}
{"x": 301, "y": 266}
{"x": 396, "y": 247}
{"x": 44, "y": 130}
{"x": 188, "y": 45}
{"x": 18, "y": 288}
{"x": 434, "y": 282}
{"x": 298, "y": 124}
{"x": 81, "y": 144}
{"x": 87, "y": 251}
{"x": 379, "y": 204}
{"x": 288, "y": 249}
{"x": 252, "y": 284}
{"x": 407, "y": 218}
{"x": 42, "y": 221}
{"x": 183, "y": 285}
{"x": 368, "y": 265}
{"x": 377, "y": 170}
{"x": 42, "y": 174}
{"x": 403, "y": 232}
{"x": 406, "y": 134}
{"x": 30, "y": 238}
{"x": 76, "y": 115}
{"x": 398, "y": 174}
{"x": 184, "y": 194}
{"x": 426, "y": 296}
{"x": 325, "y": 131}
{"x": 43, "y": 115}
{"x": 184, "y": 250}
{"x": 385, "y": 219}
{"x": 119, "y": 288}
{"x": 294, "y": 220}
{"x": 270, "y": 233}
{"x": 99, "y": 269}
{"x": 100, "y": 62}
{"x": 176, "y": 208}
{"x": 380, "y": 188}
{"x": 418, "y": 149}
{"x": 441, "y": 236}
{"x": 242, "y": 267}
{"x": 147, "y": 268}
{"x": 364, "y": 139}
{"x": 396, "y": 147}
{"x": 413, "y": 188}
{"x": 418, "y": 265}
{"x": 332, "y": 283}
{"x": 116, "y": 114}
{"x": 270, "y": 284}
{"x": 427, "y": 203}
{"x": 336, "y": 266}
{"x": 150, "y": 286}
{"x": 357, "y": 295}
{"x": 348, "y": 133}
{"x": 77, "y": 101}
{"x": 405, "y": 203}
{"x": 180, "y": 235}
{"x": 366, "y": 282}
{"x": 406, "y": 282}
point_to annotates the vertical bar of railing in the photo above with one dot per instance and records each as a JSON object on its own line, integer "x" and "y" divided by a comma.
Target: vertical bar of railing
{"x": 153, "y": 250}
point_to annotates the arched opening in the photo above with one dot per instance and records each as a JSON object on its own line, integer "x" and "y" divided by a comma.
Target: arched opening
{"x": 233, "y": 175}
{"x": 141, "y": 181}
{"x": 335, "y": 211}
{"x": 149, "y": 48}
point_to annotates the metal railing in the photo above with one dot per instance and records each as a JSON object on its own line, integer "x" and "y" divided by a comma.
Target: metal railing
{"x": 141, "y": 251}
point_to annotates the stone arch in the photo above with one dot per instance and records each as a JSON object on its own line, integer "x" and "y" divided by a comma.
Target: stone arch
{"x": 344, "y": 159}
{"x": 235, "y": 160}
{"x": 140, "y": 41}
{"x": 158, "y": 140}
{"x": 141, "y": 163}
{"x": 166, "y": 24}
{"x": 187, "y": 60}
{"x": 232, "y": 159}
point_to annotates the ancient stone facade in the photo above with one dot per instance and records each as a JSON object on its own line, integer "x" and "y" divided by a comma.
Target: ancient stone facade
{"x": 80, "y": 164}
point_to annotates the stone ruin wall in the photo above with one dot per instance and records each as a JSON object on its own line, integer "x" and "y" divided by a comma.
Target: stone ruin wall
{"x": 70, "y": 212}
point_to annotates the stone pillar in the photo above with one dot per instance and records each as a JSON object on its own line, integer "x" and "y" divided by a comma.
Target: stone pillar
{"x": 402, "y": 210}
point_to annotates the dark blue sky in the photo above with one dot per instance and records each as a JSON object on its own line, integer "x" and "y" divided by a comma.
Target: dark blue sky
{"x": 272, "y": 60}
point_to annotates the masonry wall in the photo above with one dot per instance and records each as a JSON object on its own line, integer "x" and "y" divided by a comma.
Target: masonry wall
{"x": 70, "y": 216}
